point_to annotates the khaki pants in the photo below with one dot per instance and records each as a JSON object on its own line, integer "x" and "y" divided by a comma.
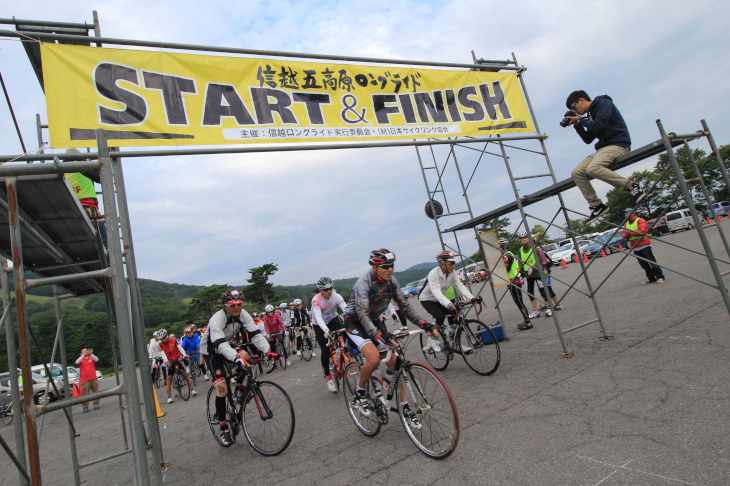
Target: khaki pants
{"x": 595, "y": 167}
{"x": 89, "y": 386}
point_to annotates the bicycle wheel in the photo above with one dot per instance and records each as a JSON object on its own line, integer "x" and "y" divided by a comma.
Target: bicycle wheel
{"x": 7, "y": 414}
{"x": 268, "y": 418}
{"x": 193, "y": 372}
{"x": 306, "y": 349}
{"x": 481, "y": 357}
{"x": 214, "y": 421}
{"x": 436, "y": 432}
{"x": 181, "y": 385}
{"x": 282, "y": 357}
{"x": 368, "y": 425}
{"x": 439, "y": 360}
{"x": 268, "y": 364}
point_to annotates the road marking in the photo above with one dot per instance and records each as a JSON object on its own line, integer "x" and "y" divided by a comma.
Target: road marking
{"x": 624, "y": 466}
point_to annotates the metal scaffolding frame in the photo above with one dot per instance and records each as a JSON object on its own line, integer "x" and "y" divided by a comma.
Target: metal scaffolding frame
{"x": 120, "y": 275}
{"x": 434, "y": 175}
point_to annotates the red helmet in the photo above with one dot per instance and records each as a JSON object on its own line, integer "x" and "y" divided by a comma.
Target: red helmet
{"x": 232, "y": 297}
{"x": 445, "y": 256}
{"x": 382, "y": 257}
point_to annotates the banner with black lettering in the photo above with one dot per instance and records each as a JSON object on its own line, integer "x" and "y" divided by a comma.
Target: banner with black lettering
{"x": 165, "y": 98}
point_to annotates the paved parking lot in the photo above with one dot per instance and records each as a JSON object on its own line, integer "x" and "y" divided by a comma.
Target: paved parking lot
{"x": 649, "y": 407}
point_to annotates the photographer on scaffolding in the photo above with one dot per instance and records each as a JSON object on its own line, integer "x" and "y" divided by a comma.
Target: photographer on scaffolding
{"x": 605, "y": 124}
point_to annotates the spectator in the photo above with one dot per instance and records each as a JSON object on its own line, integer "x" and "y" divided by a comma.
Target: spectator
{"x": 515, "y": 283}
{"x": 87, "y": 376}
{"x": 635, "y": 232}
{"x": 605, "y": 124}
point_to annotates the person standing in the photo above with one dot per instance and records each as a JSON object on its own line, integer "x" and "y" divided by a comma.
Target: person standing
{"x": 515, "y": 283}
{"x": 87, "y": 376}
{"x": 635, "y": 232}
{"x": 605, "y": 124}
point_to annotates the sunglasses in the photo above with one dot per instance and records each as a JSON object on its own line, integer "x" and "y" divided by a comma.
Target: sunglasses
{"x": 387, "y": 266}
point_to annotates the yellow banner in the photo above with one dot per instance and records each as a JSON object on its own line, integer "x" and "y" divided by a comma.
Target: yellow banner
{"x": 163, "y": 98}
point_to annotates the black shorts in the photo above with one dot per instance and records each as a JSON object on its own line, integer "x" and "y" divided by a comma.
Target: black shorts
{"x": 216, "y": 367}
{"x": 357, "y": 335}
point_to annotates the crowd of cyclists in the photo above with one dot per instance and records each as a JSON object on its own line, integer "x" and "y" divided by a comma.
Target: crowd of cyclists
{"x": 375, "y": 295}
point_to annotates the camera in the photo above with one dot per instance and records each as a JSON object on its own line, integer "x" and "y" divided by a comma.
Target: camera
{"x": 565, "y": 122}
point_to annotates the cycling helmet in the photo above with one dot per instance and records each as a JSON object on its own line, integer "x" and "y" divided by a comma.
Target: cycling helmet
{"x": 324, "y": 283}
{"x": 297, "y": 302}
{"x": 269, "y": 308}
{"x": 522, "y": 234}
{"x": 193, "y": 327}
{"x": 503, "y": 241}
{"x": 381, "y": 257}
{"x": 445, "y": 256}
{"x": 255, "y": 314}
{"x": 230, "y": 297}
{"x": 160, "y": 334}
{"x": 283, "y": 305}
{"x": 188, "y": 329}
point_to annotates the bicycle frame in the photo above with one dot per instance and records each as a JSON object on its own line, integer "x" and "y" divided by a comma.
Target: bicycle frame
{"x": 344, "y": 358}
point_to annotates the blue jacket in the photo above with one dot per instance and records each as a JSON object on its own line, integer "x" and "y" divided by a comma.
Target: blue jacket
{"x": 191, "y": 344}
{"x": 604, "y": 123}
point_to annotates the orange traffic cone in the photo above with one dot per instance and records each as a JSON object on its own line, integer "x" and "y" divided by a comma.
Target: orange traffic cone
{"x": 77, "y": 390}
{"x": 603, "y": 253}
{"x": 562, "y": 261}
{"x": 719, "y": 218}
{"x": 620, "y": 247}
{"x": 160, "y": 413}
{"x": 585, "y": 257}
{"x": 708, "y": 220}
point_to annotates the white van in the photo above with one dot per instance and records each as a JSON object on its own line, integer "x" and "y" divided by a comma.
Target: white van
{"x": 679, "y": 220}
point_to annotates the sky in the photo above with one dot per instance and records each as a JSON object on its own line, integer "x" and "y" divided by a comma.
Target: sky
{"x": 206, "y": 220}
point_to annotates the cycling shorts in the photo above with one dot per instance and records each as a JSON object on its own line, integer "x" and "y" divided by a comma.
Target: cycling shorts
{"x": 359, "y": 337}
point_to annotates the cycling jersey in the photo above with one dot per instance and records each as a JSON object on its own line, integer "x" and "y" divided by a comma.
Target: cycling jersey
{"x": 171, "y": 349}
{"x": 273, "y": 324}
{"x": 191, "y": 344}
{"x": 221, "y": 329}
{"x": 437, "y": 283}
{"x": 299, "y": 318}
{"x": 285, "y": 318}
{"x": 324, "y": 310}
{"x": 153, "y": 349}
{"x": 369, "y": 299}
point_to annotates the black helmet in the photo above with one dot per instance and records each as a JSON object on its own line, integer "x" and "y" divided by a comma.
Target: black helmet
{"x": 230, "y": 297}
{"x": 445, "y": 256}
{"x": 324, "y": 283}
{"x": 382, "y": 257}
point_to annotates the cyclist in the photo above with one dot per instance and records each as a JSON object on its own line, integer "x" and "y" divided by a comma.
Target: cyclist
{"x": 369, "y": 299}
{"x": 300, "y": 320}
{"x": 275, "y": 328}
{"x": 153, "y": 350}
{"x": 259, "y": 323}
{"x": 285, "y": 314}
{"x": 515, "y": 282}
{"x": 173, "y": 354}
{"x": 432, "y": 297}
{"x": 216, "y": 349}
{"x": 324, "y": 314}
{"x": 191, "y": 345}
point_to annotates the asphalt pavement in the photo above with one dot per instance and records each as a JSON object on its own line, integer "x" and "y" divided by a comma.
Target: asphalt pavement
{"x": 648, "y": 407}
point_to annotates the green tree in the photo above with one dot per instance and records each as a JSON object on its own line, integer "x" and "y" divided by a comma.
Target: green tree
{"x": 204, "y": 304}
{"x": 539, "y": 234}
{"x": 260, "y": 289}
{"x": 497, "y": 224}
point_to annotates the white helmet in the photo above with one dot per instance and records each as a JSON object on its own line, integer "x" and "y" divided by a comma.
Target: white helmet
{"x": 522, "y": 234}
{"x": 283, "y": 305}
{"x": 160, "y": 334}
{"x": 297, "y": 302}
{"x": 269, "y": 308}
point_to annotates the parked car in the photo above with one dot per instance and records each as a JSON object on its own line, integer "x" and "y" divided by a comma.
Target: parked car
{"x": 78, "y": 373}
{"x": 660, "y": 228}
{"x": 549, "y": 248}
{"x": 567, "y": 252}
{"x": 410, "y": 290}
{"x": 39, "y": 388}
{"x": 720, "y": 208}
{"x": 679, "y": 220}
{"x": 612, "y": 244}
{"x": 56, "y": 372}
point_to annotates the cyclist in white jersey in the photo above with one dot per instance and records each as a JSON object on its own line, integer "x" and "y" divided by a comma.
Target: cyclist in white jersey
{"x": 325, "y": 319}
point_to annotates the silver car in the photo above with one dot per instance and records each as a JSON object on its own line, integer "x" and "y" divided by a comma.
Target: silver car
{"x": 39, "y": 388}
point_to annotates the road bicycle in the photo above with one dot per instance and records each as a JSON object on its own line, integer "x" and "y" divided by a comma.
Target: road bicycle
{"x": 157, "y": 367}
{"x": 435, "y": 429}
{"x": 276, "y": 347}
{"x": 262, "y": 409}
{"x": 341, "y": 355}
{"x": 6, "y": 412}
{"x": 301, "y": 335}
{"x": 194, "y": 368}
{"x": 179, "y": 379}
{"x": 471, "y": 338}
